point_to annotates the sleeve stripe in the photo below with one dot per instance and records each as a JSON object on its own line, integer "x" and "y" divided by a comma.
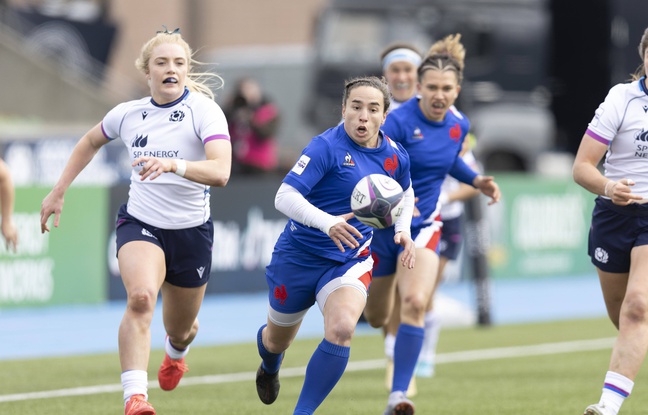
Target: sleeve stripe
{"x": 597, "y": 137}
{"x": 216, "y": 137}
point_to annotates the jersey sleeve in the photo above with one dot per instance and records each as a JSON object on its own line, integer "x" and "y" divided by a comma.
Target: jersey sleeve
{"x": 462, "y": 172}
{"x": 311, "y": 166}
{"x": 212, "y": 124}
{"x": 111, "y": 123}
{"x": 607, "y": 117}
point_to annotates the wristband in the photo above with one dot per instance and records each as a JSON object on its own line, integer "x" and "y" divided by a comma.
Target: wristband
{"x": 181, "y": 167}
{"x": 605, "y": 189}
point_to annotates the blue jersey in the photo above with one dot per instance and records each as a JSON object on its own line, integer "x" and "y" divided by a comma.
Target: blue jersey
{"x": 433, "y": 148}
{"x": 326, "y": 173}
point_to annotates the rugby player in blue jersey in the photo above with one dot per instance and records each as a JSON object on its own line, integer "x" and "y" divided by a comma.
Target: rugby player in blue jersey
{"x": 432, "y": 132}
{"x": 323, "y": 255}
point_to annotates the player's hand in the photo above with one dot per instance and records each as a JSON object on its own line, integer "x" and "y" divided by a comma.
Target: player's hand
{"x": 153, "y": 167}
{"x": 408, "y": 256}
{"x": 487, "y": 185}
{"x": 51, "y": 205}
{"x": 620, "y": 192}
{"x": 344, "y": 234}
{"x": 10, "y": 233}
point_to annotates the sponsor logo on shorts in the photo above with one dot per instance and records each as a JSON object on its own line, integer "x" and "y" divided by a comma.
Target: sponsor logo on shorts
{"x": 145, "y": 232}
{"x": 201, "y": 271}
{"x": 601, "y": 255}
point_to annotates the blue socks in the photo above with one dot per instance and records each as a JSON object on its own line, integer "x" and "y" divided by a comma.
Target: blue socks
{"x": 271, "y": 361}
{"x": 409, "y": 341}
{"x": 323, "y": 372}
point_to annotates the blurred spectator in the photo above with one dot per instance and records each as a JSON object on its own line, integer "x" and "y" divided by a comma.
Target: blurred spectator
{"x": 253, "y": 121}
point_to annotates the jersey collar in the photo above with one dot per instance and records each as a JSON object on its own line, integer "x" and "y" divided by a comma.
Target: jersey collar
{"x": 642, "y": 85}
{"x": 172, "y": 103}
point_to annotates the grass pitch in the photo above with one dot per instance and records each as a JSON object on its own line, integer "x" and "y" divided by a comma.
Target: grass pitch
{"x": 532, "y": 369}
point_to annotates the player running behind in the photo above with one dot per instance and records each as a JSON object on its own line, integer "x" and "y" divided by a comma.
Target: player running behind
{"x": 432, "y": 131}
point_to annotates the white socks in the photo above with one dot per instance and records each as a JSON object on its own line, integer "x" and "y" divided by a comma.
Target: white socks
{"x": 615, "y": 389}
{"x": 432, "y": 328}
{"x": 174, "y": 353}
{"x": 390, "y": 341}
{"x": 134, "y": 382}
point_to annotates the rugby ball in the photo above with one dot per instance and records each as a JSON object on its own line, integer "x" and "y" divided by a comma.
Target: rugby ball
{"x": 377, "y": 200}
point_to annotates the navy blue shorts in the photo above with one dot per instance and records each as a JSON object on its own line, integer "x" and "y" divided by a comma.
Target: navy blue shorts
{"x": 187, "y": 252}
{"x": 615, "y": 230}
{"x": 450, "y": 243}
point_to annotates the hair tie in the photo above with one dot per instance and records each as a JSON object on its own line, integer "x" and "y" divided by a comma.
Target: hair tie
{"x": 167, "y": 32}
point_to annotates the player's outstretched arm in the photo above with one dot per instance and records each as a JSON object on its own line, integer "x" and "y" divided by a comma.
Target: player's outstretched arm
{"x": 82, "y": 154}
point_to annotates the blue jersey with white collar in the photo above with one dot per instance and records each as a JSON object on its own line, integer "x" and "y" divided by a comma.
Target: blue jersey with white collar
{"x": 326, "y": 173}
{"x": 433, "y": 148}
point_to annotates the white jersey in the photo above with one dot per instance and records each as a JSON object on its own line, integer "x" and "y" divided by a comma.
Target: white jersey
{"x": 178, "y": 130}
{"x": 621, "y": 122}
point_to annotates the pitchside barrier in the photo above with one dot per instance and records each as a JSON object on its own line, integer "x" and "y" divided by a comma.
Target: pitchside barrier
{"x": 539, "y": 229}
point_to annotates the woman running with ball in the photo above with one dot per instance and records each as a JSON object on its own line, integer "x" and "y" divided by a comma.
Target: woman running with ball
{"x": 323, "y": 254}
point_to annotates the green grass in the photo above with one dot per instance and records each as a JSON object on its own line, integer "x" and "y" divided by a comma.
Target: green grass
{"x": 534, "y": 384}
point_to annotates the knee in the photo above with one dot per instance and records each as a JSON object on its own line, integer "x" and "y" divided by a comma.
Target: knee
{"x": 635, "y": 309}
{"x": 141, "y": 301}
{"x": 340, "y": 332}
{"x": 375, "y": 319}
{"x": 414, "y": 305}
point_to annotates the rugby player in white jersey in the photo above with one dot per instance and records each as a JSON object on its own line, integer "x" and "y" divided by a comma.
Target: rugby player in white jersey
{"x": 179, "y": 146}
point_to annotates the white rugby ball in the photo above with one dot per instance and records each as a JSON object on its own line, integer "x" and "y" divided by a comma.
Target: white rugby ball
{"x": 377, "y": 200}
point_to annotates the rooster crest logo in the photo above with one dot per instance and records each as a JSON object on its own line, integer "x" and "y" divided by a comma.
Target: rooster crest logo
{"x": 281, "y": 294}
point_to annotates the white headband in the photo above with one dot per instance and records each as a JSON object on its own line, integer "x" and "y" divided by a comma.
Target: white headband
{"x": 402, "y": 54}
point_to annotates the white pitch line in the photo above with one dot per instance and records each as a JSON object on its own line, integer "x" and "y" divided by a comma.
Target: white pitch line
{"x": 453, "y": 357}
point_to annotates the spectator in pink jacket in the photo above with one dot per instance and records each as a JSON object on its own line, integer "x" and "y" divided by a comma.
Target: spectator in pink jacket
{"x": 253, "y": 121}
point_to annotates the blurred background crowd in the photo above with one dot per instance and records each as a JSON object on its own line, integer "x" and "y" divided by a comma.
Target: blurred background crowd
{"x": 535, "y": 69}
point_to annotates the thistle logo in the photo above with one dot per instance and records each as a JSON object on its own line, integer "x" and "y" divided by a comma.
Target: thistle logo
{"x": 601, "y": 255}
{"x": 140, "y": 141}
{"x": 146, "y": 232}
{"x": 176, "y": 116}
